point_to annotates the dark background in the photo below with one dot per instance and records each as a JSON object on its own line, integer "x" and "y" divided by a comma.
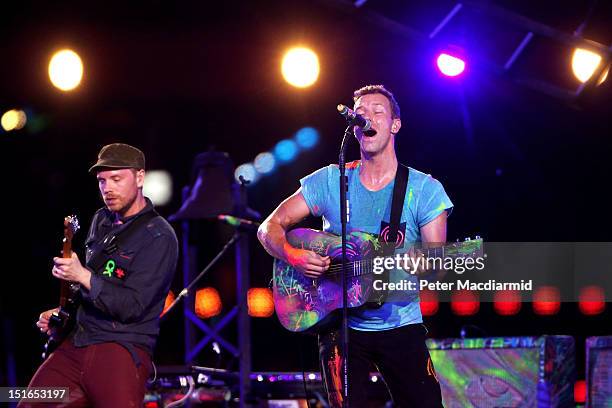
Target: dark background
{"x": 176, "y": 78}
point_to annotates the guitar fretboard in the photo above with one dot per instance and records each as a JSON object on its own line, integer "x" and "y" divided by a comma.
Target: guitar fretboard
{"x": 366, "y": 266}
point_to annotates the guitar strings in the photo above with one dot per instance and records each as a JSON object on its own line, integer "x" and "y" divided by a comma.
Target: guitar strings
{"x": 337, "y": 269}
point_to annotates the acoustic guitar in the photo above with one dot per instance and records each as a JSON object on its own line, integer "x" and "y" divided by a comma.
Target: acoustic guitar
{"x": 305, "y": 304}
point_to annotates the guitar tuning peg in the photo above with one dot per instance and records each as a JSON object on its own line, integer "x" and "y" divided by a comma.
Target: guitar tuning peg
{"x": 467, "y": 239}
{"x": 478, "y": 237}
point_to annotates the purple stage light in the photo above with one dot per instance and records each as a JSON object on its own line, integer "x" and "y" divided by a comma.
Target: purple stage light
{"x": 450, "y": 65}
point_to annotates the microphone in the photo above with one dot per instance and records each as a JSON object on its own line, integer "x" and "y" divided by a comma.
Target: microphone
{"x": 353, "y": 118}
{"x": 238, "y": 222}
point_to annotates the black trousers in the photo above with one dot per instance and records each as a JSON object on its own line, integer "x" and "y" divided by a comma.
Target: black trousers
{"x": 400, "y": 355}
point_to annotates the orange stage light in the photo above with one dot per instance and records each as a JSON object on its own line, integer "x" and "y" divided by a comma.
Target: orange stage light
{"x": 207, "y": 303}
{"x": 169, "y": 299}
{"x": 260, "y": 302}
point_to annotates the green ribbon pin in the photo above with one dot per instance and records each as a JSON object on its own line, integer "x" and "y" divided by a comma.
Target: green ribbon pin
{"x": 109, "y": 268}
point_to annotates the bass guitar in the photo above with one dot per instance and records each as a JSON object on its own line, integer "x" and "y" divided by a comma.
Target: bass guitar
{"x": 62, "y": 321}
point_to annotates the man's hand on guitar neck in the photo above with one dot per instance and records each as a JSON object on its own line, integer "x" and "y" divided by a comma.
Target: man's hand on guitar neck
{"x": 416, "y": 264}
{"x": 71, "y": 269}
{"x": 309, "y": 263}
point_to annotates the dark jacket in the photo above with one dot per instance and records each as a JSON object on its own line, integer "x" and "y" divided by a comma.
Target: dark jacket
{"x": 129, "y": 281}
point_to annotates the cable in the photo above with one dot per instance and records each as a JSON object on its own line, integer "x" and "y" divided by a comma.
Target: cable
{"x": 154, "y": 373}
{"x": 186, "y": 396}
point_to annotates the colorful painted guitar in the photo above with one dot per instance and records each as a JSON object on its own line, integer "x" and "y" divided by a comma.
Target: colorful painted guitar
{"x": 61, "y": 322}
{"x": 306, "y": 304}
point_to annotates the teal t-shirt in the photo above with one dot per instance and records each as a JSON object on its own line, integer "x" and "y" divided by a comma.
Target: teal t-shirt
{"x": 369, "y": 211}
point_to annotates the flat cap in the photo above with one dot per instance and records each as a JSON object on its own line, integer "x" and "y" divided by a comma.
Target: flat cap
{"x": 119, "y": 156}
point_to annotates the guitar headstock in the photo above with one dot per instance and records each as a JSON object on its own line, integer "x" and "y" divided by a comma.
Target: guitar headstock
{"x": 71, "y": 226}
{"x": 470, "y": 247}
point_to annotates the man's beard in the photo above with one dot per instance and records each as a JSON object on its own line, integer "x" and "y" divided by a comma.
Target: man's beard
{"x": 127, "y": 205}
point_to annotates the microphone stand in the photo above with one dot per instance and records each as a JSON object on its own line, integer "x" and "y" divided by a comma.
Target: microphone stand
{"x": 185, "y": 292}
{"x": 343, "y": 273}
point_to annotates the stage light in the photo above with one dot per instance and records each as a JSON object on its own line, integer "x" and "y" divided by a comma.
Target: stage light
{"x": 374, "y": 378}
{"x": 580, "y": 392}
{"x": 428, "y": 302}
{"x": 507, "y": 302}
{"x": 546, "y": 301}
{"x": 591, "y": 300}
{"x": 13, "y": 120}
{"x": 247, "y": 171}
{"x": 169, "y": 299}
{"x": 300, "y": 67}
{"x": 307, "y": 137}
{"x": 66, "y": 70}
{"x": 450, "y": 65}
{"x": 585, "y": 63}
{"x": 264, "y": 162}
{"x": 158, "y": 186}
{"x": 285, "y": 150}
{"x": 465, "y": 303}
{"x": 207, "y": 303}
{"x": 260, "y": 302}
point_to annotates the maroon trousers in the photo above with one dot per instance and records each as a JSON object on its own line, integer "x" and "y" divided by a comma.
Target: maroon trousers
{"x": 101, "y": 375}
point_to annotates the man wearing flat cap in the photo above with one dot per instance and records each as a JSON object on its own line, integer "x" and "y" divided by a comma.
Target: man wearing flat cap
{"x": 130, "y": 261}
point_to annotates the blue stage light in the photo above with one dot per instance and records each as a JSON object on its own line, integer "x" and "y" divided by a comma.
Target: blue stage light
{"x": 285, "y": 150}
{"x": 307, "y": 137}
{"x": 264, "y": 162}
{"x": 247, "y": 171}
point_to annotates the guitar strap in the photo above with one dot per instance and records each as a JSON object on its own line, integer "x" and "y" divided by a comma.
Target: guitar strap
{"x": 113, "y": 240}
{"x": 397, "y": 206}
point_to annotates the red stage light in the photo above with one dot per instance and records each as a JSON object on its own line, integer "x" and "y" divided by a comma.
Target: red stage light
{"x": 580, "y": 392}
{"x": 260, "y": 302}
{"x": 507, "y": 302}
{"x": 591, "y": 300}
{"x": 465, "y": 303}
{"x": 546, "y": 301}
{"x": 207, "y": 303}
{"x": 428, "y": 302}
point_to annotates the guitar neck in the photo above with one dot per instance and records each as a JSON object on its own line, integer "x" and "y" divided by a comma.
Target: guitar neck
{"x": 455, "y": 250}
{"x": 65, "y": 285}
